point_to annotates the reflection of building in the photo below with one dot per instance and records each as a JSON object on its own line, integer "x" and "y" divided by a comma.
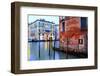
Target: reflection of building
{"x": 43, "y": 30}
{"x": 73, "y": 33}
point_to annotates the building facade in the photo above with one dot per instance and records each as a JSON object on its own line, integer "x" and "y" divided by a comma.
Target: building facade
{"x": 73, "y": 36}
{"x": 43, "y": 30}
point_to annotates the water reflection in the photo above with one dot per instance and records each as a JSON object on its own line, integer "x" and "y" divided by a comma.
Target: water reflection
{"x": 44, "y": 51}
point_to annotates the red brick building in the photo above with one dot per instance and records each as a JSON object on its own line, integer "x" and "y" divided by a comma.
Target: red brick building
{"x": 72, "y": 36}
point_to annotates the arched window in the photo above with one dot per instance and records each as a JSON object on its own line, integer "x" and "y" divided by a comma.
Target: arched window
{"x": 63, "y": 26}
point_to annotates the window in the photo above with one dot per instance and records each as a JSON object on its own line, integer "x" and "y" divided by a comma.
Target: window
{"x": 80, "y": 41}
{"x": 63, "y": 26}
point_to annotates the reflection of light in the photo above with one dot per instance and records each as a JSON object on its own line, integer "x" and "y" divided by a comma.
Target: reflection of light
{"x": 46, "y": 45}
{"x": 50, "y": 44}
{"x": 28, "y": 52}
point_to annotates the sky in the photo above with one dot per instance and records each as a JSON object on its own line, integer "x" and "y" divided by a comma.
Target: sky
{"x": 32, "y": 18}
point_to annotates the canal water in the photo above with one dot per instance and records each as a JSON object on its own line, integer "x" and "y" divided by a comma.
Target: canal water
{"x": 44, "y": 51}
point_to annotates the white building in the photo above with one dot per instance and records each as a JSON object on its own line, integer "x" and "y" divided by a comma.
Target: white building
{"x": 42, "y": 30}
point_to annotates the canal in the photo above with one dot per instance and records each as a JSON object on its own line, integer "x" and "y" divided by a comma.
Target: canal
{"x": 43, "y": 50}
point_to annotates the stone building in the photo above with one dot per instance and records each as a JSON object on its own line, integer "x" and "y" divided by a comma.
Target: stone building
{"x": 42, "y": 30}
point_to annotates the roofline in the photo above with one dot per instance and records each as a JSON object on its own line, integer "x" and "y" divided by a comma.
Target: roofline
{"x": 40, "y": 20}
